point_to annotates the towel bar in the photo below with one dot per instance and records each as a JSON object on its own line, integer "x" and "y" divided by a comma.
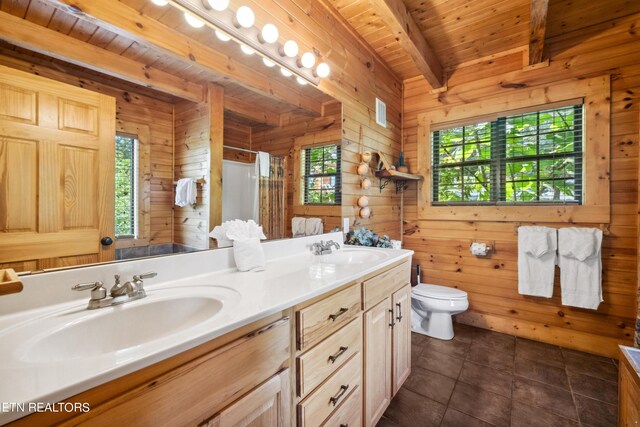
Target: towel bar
{"x": 605, "y": 228}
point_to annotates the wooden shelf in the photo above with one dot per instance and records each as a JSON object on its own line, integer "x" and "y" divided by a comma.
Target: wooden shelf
{"x": 400, "y": 178}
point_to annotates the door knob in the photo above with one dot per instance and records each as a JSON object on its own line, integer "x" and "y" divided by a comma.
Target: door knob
{"x": 106, "y": 241}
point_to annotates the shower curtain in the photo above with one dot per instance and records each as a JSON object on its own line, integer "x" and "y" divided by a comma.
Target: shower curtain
{"x": 272, "y": 199}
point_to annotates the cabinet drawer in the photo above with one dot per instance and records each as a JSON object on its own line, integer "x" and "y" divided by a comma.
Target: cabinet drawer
{"x": 323, "y": 318}
{"x": 381, "y": 286}
{"x": 322, "y": 360}
{"x": 320, "y": 404}
{"x": 349, "y": 413}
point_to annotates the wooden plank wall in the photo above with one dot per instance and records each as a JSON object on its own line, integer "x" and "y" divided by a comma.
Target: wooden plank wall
{"x": 192, "y": 127}
{"x": 132, "y": 109}
{"x": 237, "y": 134}
{"x": 442, "y": 246}
{"x": 287, "y": 141}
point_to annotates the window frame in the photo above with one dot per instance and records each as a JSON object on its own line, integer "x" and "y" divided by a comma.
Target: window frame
{"x": 305, "y": 172}
{"x": 135, "y": 186}
{"x": 593, "y": 92}
{"x": 498, "y": 160}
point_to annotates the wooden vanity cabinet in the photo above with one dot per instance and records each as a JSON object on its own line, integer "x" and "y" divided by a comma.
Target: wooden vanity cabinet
{"x": 387, "y": 338}
{"x": 629, "y": 393}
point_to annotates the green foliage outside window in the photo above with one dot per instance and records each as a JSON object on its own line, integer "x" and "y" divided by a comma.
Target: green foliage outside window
{"x": 125, "y": 207}
{"x": 526, "y": 158}
{"x": 322, "y": 178}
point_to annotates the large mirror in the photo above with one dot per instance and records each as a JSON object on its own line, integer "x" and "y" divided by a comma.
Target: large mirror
{"x": 113, "y": 148}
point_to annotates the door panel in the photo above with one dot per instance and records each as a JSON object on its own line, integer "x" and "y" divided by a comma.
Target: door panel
{"x": 377, "y": 341}
{"x": 401, "y": 336}
{"x": 56, "y": 172}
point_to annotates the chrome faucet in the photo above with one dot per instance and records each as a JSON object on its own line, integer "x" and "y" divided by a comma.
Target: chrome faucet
{"x": 120, "y": 293}
{"x": 323, "y": 248}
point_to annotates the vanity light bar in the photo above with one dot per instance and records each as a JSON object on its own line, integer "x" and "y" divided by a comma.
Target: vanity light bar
{"x": 251, "y": 37}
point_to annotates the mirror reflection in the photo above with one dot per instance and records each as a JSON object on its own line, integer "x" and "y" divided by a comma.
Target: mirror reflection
{"x": 101, "y": 163}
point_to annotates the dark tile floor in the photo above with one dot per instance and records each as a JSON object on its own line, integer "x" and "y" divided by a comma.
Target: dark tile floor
{"x": 483, "y": 378}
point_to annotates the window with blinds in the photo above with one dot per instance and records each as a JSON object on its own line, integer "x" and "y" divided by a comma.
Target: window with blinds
{"x": 322, "y": 176}
{"x": 126, "y": 185}
{"x": 529, "y": 158}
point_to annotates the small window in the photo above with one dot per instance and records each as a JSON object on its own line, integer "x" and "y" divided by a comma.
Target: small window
{"x": 525, "y": 158}
{"x": 126, "y": 185}
{"x": 322, "y": 179}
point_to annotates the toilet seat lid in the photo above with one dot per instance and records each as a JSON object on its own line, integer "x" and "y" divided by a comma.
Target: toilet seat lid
{"x": 438, "y": 292}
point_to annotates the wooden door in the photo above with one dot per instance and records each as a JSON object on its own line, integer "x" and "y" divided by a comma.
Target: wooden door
{"x": 377, "y": 363}
{"x": 266, "y": 406}
{"x": 56, "y": 173}
{"x": 401, "y": 362}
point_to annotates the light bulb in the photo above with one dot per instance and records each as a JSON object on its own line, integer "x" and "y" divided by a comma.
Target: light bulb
{"x": 160, "y": 2}
{"x": 308, "y": 60}
{"x": 301, "y": 81}
{"x": 222, "y": 36}
{"x": 270, "y": 33}
{"x": 323, "y": 70}
{"x": 245, "y": 17}
{"x": 247, "y": 50}
{"x": 290, "y": 48}
{"x": 193, "y": 21}
{"x": 219, "y": 5}
{"x": 268, "y": 63}
{"x": 286, "y": 72}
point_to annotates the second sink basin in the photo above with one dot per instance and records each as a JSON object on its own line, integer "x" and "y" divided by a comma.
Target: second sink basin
{"x": 346, "y": 256}
{"x": 91, "y": 333}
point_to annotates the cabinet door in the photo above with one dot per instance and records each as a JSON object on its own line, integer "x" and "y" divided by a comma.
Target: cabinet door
{"x": 377, "y": 342}
{"x": 265, "y": 406}
{"x": 401, "y": 336}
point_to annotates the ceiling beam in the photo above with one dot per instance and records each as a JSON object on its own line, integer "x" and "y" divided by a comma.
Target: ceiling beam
{"x": 249, "y": 111}
{"x": 28, "y": 35}
{"x": 395, "y": 15}
{"x": 537, "y": 30}
{"x": 130, "y": 23}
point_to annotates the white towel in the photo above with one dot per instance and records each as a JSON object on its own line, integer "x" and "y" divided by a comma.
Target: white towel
{"x": 249, "y": 255}
{"x": 186, "y": 192}
{"x": 298, "y": 226}
{"x": 263, "y": 160}
{"x": 313, "y": 226}
{"x": 580, "y": 266}
{"x": 536, "y": 260}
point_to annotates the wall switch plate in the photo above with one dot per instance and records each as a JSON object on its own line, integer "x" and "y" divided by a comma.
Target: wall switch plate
{"x": 345, "y": 225}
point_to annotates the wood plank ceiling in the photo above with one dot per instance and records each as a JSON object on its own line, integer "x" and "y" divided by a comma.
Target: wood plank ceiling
{"x": 461, "y": 31}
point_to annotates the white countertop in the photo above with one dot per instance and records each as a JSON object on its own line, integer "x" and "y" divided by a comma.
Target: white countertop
{"x": 288, "y": 280}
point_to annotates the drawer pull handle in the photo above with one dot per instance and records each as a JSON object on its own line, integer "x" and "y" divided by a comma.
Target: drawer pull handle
{"x": 343, "y": 389}
{"x": 344, "y": 425}
{"x": 338, "y": 354}
{"x": 393, "y": 323}
{"x": 399, "y": 318}
{"x": 342, "y": 311}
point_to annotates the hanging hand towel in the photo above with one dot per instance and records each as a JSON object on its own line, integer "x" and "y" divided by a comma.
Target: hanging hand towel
{"x": 313, "y": 226}
{"x": 536, "y": 260}
{"x": 186, "y": 192}
{"x": 298, "y": 226}
{"x": 580, "y": 266}
{"x": 264, "y": 161}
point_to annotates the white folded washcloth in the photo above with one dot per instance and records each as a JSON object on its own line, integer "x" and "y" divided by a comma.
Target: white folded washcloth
{"x": 313, "y": 226}
{"x": 536, "y": 260}
{"x": 186, "y": 192}
{"x": 298, "y": 226}
{"x": 264, "y": 160}
{"x": 580, "y": 264}
{"x": 245, "y": 237}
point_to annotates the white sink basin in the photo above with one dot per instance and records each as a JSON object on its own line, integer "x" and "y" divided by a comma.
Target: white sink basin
{"x": 84, "y": 334}
{"x": 348, "y": 256}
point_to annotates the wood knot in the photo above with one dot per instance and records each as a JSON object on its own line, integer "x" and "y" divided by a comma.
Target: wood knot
{"x": 561, "y": 313}
{"x": 139, "y": 25}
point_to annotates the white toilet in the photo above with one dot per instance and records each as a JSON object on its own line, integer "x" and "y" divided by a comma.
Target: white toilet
{"x": 432, "y": 307}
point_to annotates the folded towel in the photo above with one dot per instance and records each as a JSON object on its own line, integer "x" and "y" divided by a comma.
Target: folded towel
{"x": 536, "y": 260}
{"x": 580, "y": 266}
{"x": 298, "y": 226}
{"x": 249, "y": 255}
{"x": 263, "y": 160}
{"x": 186, "y": 192}
{"x": 313, "y": 226}
{"x": 236, "y": 229}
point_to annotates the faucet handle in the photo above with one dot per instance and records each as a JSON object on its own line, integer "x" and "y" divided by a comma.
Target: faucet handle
{"x": 98, "y": 291}
{"x": 148, "y": 275}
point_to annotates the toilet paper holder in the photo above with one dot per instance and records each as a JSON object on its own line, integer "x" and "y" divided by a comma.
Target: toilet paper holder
{"x": 482, "y": 249}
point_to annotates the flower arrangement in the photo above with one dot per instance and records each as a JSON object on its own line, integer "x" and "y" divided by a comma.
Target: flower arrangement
{"x": 365, "y": 237}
